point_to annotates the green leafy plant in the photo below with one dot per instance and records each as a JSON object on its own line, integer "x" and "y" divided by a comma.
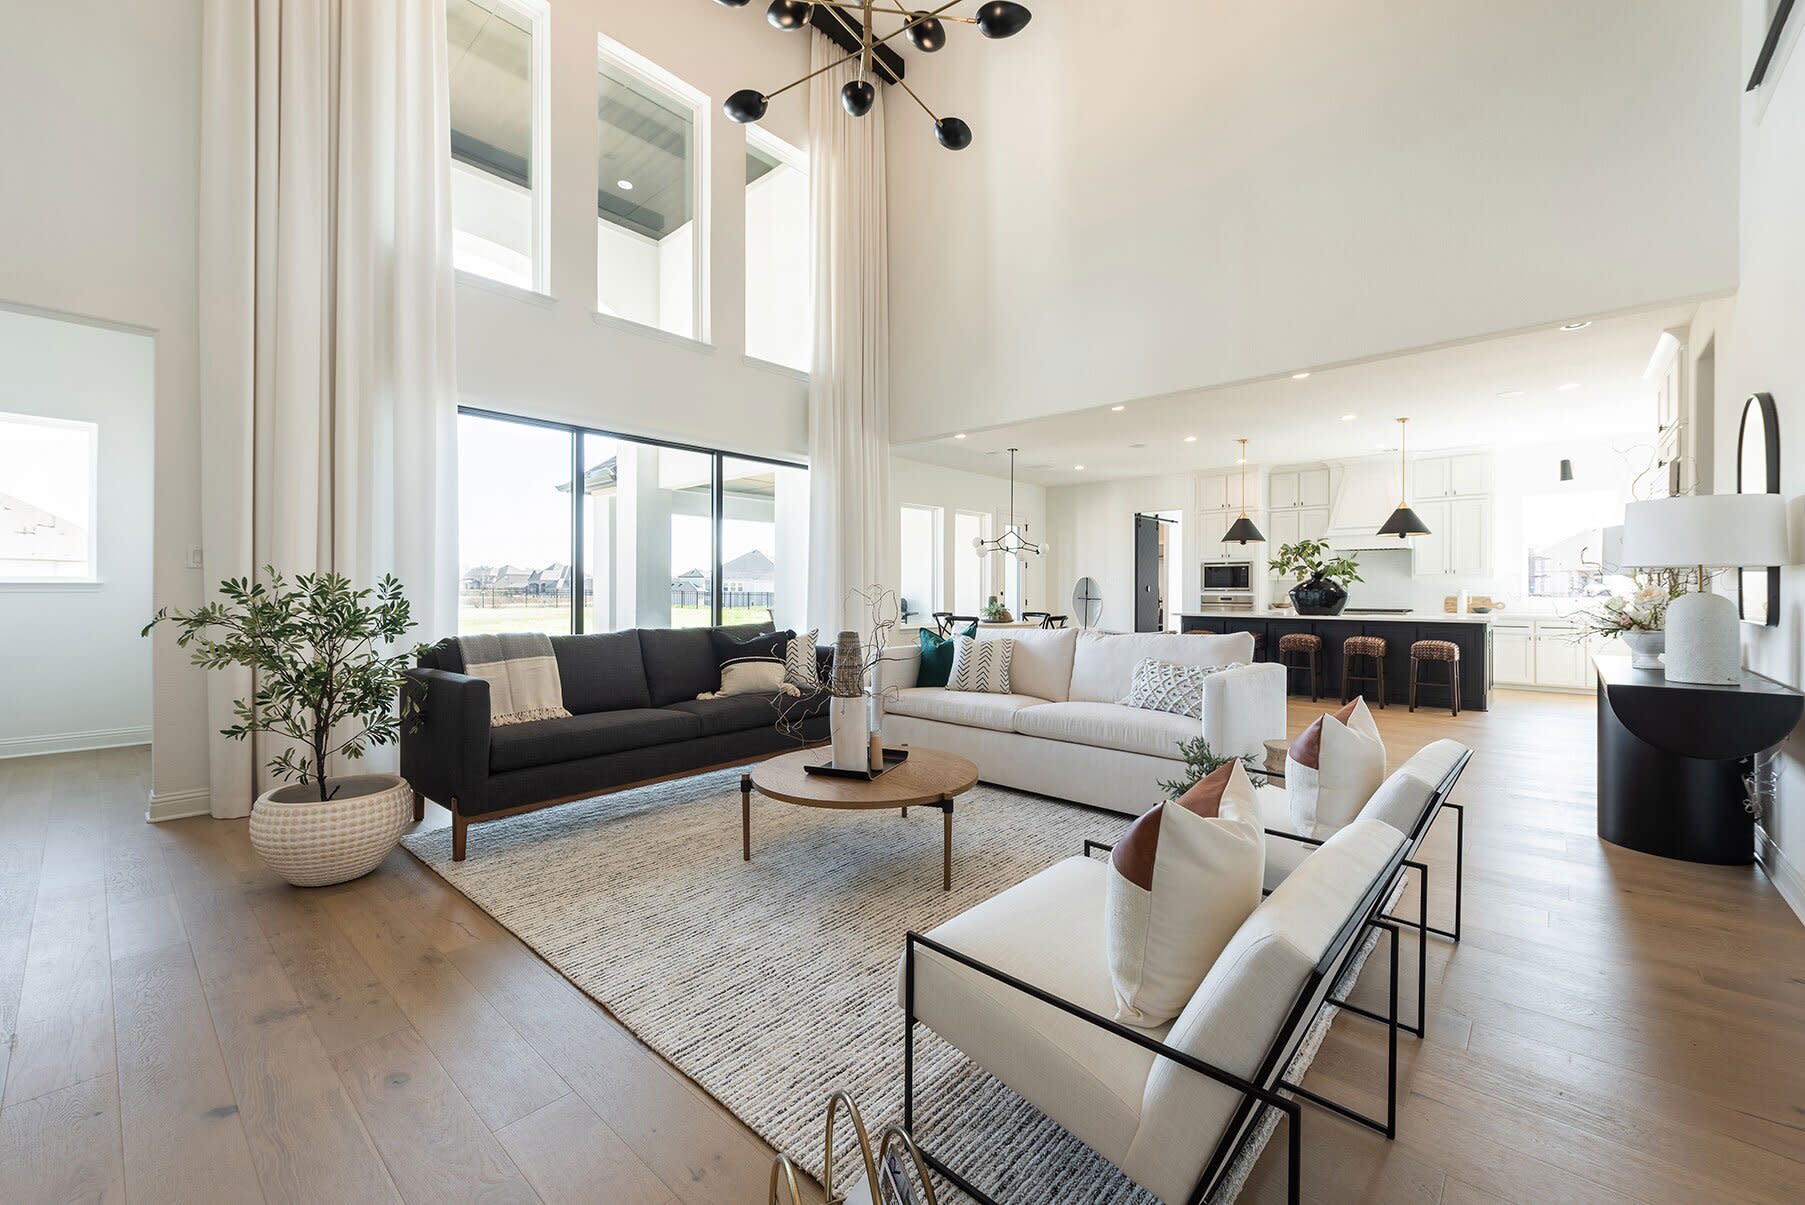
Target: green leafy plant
{"x": 1201, "y": 761}
{"x": 1311, "y": 560}
{"x": 995, "y": 612}
{"x": 315, "y": 646}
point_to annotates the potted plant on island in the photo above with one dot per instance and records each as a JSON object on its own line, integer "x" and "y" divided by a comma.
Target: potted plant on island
{"x": 322, "y": 681}
{"x": 1322, "y": 577}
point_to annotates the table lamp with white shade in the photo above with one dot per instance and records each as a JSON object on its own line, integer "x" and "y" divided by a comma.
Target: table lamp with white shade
{"x": 1705, "y": 532}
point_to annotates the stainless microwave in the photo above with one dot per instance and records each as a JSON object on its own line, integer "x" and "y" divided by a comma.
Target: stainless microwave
{"x": 1232, "y": 575}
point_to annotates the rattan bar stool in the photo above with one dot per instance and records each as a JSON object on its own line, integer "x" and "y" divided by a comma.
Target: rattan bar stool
{"x": 1308, "y": 647}
{"x": 1362, "y": 646}
{"x": 1444, "y": 651}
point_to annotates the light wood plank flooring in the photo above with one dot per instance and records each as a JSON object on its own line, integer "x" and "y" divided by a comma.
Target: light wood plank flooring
{"x": 178, "y": 1026}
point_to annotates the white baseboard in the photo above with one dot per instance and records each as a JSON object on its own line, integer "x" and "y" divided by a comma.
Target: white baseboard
{"x": 178, "y": 805}
{"x": 73, "y": 742}
{"x": 1786, "y": 877}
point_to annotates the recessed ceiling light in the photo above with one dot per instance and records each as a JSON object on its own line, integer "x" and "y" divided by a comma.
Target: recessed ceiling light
{"x": 961, "y": 435}
{"x": 1576, "y": 326}
{"x": 1510, "y": 393}
{"x": 624, "y": 185}
{"x": 1298, "y": 376}
{"x": 1190, "y": 439}
{"x": 1348, "y": 418}
{"x": 1078, "y": 468}
{"x": 1118, "y": 409}
{"x": 1570, "y": 385}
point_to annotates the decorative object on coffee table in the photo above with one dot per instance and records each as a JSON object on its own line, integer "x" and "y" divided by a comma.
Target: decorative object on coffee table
{"x": 320, "y": 682}
{"x": 927, "y": 778}
{"x": 1322, "y": 577}
{"x": 849, "y": 717}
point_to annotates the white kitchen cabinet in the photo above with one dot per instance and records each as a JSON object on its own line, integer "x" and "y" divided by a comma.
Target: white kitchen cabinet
{"x": 1212, "y": 492}
{"x": 1429, "y": 554}
{"x": 1459, "y": 542}
{"x": 1286, "y": 527}
{"x": 1312, "y": 522}
{"x": 1561, "y": 658}
{"x": 1513, "y": 654}
{"x": 1547, "y": 654}
{"x": 1463, "y": 475}
{"x": 1299, "y": 487}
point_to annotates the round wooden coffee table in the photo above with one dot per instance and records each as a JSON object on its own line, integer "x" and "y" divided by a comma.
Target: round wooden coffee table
{"x": 930, "y": 778}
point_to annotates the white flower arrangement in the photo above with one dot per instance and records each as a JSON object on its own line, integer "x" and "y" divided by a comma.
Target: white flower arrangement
{"x": 1643, "y": 609}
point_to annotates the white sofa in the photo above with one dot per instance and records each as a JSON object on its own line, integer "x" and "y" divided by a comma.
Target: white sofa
{"x": 1065, "y": 733}
{"x": 1169, "y": 1127}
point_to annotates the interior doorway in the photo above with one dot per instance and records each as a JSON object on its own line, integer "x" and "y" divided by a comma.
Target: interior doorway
{"x": 1158, "y": 570}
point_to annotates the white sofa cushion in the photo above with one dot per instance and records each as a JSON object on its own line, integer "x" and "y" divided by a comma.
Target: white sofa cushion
{"x": 1282, "y": 856}
{"x": 1332, "y": 769}
{"x": 1181, "y": 881}
{"x": 982, "y": 667}
{"x": 1103, "y": 663}
{"x": 1241, "y": 1004}
{"x": 1042, "y": 662}
{"x": 972, "y": 708}
{"x": 1432, "y": 762}
{"x": 1048, "y": 931}
{"x": 1108, "y": 726}
{"x": 1162, "y": 686}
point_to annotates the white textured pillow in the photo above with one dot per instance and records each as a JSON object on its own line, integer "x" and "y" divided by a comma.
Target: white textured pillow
{"x": 1163, "y": 686}
{"x": 981, "y": 665}
{"x": 1181, "y": 881}
{"x": 1332, "y": 769}
{"x": 751, "y": 675}
{"x": 800, "y": 669}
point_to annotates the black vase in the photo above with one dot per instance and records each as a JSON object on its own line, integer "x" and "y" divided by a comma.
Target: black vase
{"x": 1318, "y": 596}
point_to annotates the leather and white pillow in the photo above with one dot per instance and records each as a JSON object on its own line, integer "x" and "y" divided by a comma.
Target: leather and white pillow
{"x": 981, "y": 665}
{"x": 752, "y": 675}
{"x": 1165, "y": 686}
{"x": 800, "y": 667}
{"x": 1332, "y": 769}
{"x": 1181, "y": 882}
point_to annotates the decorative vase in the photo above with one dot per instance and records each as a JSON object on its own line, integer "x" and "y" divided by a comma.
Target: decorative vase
{"x": 1645, "y": 648}
{"x": 313, "y": 842}
{"x": 849, "y": 718}
{"x": 1318, "y": 596}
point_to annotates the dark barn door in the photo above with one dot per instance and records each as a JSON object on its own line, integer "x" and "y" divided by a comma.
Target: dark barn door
{"x": 1146, "y": 573}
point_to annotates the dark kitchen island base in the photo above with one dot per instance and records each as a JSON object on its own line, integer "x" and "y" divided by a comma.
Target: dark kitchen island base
{"x": 1472, "y": 635}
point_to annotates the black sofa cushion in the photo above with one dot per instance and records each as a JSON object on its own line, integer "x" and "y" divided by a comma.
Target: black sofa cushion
{"x": 728, "y": 647}
{"x": 601, "y": 672}
{"x": 737, "y": 713}
{"x": 679, "y": 663}
{"x": 573, "y": 738}
{"x": 445, "y": 655}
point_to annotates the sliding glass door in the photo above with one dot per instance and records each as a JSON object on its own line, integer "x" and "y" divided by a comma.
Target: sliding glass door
{"x": 652, "y": 535}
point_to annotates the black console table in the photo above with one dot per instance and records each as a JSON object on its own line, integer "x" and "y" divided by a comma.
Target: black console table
{"x": 1671, "y": 756}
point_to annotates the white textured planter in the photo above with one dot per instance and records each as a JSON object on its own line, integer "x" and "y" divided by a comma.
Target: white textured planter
{"x": 313, "y": 843}
{"x": 1645, "y": 648}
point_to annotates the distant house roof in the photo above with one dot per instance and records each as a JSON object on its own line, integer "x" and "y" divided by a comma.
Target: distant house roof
{"x": 752, "y": 570}
{"x": 31, "y": 533}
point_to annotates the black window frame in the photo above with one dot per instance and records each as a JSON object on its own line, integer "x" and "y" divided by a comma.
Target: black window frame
{"x": 716, "y": 495}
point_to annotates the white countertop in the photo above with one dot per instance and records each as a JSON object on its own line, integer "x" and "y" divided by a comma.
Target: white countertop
{"x": 1351, "y": 616}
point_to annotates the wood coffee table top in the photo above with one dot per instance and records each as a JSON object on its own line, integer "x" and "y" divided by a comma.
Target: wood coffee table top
{"x": 928, "y": 777}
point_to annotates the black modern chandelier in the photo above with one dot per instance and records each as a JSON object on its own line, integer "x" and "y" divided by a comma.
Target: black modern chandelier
{"x": 1014, "y": 541}
{"x": 926, "y": 31}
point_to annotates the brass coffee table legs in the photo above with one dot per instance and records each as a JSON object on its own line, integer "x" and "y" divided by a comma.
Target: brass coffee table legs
{"x": 946, "y": 831}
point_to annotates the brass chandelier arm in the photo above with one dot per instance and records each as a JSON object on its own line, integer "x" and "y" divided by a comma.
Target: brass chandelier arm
{"x": 894, "y": 12}
{"x": 869, "y": 43}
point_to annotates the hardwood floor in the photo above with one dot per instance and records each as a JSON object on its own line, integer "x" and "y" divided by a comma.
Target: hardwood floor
{"x": 179, "y": 1026}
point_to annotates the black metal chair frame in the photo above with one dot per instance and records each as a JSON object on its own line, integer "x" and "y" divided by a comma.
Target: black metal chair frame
{"x": 1268, "y": 1089}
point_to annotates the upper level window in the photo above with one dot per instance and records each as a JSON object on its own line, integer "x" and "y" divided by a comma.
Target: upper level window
{"x": 1563, "y": 539}
{"x": 649, "y": 247}
{"x": 498, "y": 90}
{"x": 779, "y": 282}
{"x": 47, "y": 499}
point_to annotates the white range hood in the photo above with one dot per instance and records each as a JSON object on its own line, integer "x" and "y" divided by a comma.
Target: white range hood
{"x": 1365, "y": 494}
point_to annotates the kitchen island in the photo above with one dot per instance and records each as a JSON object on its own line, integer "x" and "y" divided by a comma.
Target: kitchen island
{"x": 1472, "y": 633}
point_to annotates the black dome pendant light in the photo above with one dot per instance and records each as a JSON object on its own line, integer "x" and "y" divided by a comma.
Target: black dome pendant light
{"x": 926, "y": 31}
{"x": 1404, "y": 522}
{"x": 1242, "y": 530}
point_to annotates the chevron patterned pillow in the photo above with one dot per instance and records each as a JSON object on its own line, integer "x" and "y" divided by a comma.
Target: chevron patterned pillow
{"x": 981, "y": 665}
{"x": 1163, "y": 686}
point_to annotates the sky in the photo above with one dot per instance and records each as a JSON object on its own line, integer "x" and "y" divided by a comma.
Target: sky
{"x": 48, "y": 464}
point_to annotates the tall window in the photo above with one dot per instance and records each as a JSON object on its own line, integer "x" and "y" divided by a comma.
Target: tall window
{"x": 498, "y": 95}
{"x": 920, "y": 545}
{"x": 635, "y": 539}
{"x": 779, "y": 282}
{"x": 649, "y": 249}
{"x": 971, "y": 568}
{"x": 1563, "y": 538}
{"x": 48, "y": 483}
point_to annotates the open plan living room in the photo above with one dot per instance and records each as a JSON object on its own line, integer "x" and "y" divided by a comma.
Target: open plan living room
{"x": 829, "y": 602}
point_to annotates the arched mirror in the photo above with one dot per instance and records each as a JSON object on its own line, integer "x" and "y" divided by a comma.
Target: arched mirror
{"x": 1087, "y": 602}
{"x": 1758, "y": 472}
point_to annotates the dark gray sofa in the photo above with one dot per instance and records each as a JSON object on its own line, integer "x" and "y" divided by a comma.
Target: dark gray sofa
{"x": 635, "y": 719}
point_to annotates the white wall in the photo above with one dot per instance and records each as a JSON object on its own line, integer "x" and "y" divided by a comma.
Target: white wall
{"x": 1769, "y": 316}
{"x": 549, "y": 357}
{"x": 76, "y": 672}
{"x": 1092, "y": 529}
{"x": 98, "y": 202}
{"x": 916, "y": 483}
{"x": 1298, "y": 185}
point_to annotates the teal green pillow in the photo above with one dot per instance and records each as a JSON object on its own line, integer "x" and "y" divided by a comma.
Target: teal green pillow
{"x": 937, "y": 657}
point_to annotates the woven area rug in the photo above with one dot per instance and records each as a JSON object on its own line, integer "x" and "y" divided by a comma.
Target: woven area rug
{"x": 773, "y": 982}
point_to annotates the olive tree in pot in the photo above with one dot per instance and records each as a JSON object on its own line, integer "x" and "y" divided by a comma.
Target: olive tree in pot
{"x": 1322, "y": 577}
{"x": 324, "y": 683}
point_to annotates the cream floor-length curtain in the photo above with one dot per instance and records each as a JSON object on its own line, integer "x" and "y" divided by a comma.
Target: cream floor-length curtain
{"x": 850, "y": 528}
{"x": 328, "y": 393}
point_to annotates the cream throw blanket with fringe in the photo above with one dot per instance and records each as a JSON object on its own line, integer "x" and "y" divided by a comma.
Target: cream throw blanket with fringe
{"x": 522, "y": 673}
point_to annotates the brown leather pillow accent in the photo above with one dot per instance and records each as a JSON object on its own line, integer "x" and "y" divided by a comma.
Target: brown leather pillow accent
{"x": 1134, "y": 854}
{"x": 1306, "y": 750}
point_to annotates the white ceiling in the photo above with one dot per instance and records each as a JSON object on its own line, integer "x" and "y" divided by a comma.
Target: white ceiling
{"x": 1452, "y": 396}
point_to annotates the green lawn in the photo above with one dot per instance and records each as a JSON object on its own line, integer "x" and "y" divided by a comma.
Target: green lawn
{"x": 556, "y": 620}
